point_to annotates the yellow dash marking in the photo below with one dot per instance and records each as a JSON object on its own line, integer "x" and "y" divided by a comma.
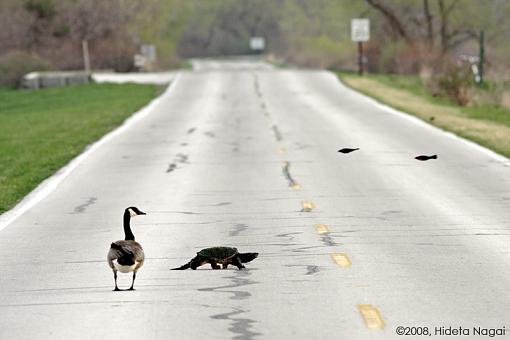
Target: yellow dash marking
{"x": 341, "y": 259}
{"x": 296, "y": 186}
{"x": 361, "y": 286}
{"x": 307, "y": 206}
{"x": 372, "y": 317}
{"x": 281, "y": 150}
{"x": 322, "y": 228}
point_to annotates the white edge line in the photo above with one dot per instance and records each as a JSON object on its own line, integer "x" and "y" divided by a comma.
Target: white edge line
{"x": 422, "y": 123}
{"x": 51, "y": 183}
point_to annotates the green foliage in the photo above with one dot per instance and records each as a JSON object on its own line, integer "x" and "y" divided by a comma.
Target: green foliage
{"x": 161, "y": 23}
{"x": 14, "y": 65}
{"x": 44, "y": 9}
{"x": 394, "y": 58}
{"x": 318, "y": 33}
{"x": 225, "y": 27}
{"x": 44, "y": 129}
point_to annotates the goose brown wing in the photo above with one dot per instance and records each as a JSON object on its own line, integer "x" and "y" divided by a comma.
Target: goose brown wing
{"x": 126, "y": 253}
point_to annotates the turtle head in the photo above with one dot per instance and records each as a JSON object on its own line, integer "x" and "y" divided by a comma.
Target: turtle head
{"x": 196, "y": 262}
{"x": 247, "y": 257}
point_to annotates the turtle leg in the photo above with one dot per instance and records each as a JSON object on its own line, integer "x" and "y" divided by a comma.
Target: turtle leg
{"x": 214, "y": 265}
{"x": 115, "y": 278}
{"x": 225, "y": 265}
{"x": 236, "y": 261}
{"x": 133, "y": 283}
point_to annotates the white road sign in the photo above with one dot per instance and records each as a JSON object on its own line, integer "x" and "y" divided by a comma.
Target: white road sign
{"x": 360, "y": 30}
{"x": 257, "y": 43}
{"x": 149, "y": 52}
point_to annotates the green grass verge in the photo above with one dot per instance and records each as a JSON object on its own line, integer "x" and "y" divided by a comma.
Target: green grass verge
{"x": 487, "y": 125}
{"x": 42, "y": 130}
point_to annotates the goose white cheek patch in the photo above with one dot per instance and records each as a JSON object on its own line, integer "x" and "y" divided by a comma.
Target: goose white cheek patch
{"x": 132, "y": 213}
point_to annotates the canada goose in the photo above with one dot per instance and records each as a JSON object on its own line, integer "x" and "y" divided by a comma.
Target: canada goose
{"x": 126, "y": 255}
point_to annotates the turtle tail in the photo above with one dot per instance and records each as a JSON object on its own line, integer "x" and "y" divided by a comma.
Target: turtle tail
{"x": 183, "y": 267}
{"x": 247, "y": 257}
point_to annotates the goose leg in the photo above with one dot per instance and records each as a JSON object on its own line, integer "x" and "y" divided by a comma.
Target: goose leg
{"x": 115, "y": 277}
{"x": 225, "y": 265}
{"x": 133, "y": 283}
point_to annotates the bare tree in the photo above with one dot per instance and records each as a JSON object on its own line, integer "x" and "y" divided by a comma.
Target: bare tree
{"x": 451, "y": 38}
{"x": 100, "y": 21}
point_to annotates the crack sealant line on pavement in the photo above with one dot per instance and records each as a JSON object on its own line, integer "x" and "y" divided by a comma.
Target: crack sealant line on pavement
{"x": 47, "y": 186}
{"x": 286, "y": 172}
{"x": 277, "y": 135}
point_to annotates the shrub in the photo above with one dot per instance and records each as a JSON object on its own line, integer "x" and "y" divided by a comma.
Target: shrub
{"x": 455, "y": 82}
{"x": 14, "y": 65}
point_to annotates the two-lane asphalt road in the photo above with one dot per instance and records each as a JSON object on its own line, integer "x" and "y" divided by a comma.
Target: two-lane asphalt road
{"x": 231, "y": 157}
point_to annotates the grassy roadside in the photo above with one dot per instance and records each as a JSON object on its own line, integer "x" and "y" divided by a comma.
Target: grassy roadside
{"x": 40, "y": 131}
{"x": 486, "y": 125}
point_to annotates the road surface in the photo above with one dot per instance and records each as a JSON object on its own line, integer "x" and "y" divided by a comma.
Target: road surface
{"x": 231, "y": 157}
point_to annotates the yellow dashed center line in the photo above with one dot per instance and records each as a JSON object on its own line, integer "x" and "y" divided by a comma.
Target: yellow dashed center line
{"x": 321, "y": 228}
{"x": 307, "y": 206}
{"x": 281, "y": 150}
{"x": 341, "y": 259}
{"x": 371, "y": 315}
{"x": 296, "y": 186}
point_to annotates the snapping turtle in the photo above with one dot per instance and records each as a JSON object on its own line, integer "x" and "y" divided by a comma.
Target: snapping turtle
{"x": 219, "y": 255}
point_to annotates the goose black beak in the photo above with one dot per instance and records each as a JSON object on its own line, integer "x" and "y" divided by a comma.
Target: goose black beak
{"x": 141, "y": 213}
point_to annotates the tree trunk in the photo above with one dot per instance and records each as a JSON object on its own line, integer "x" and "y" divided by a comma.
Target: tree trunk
{"x": 443, "y": 26}
{"x": 428, "y": 19}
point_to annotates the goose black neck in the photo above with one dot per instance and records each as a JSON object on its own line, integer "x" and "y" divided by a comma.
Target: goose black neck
{"x": 127, "y": 228}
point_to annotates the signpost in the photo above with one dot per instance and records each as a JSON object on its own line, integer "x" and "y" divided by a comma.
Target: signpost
{"x": 482, "y": 57}
{"x": 360, "y": 32}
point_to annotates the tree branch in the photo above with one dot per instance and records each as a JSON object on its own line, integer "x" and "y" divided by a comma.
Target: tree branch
{"x": 393, "y": 20}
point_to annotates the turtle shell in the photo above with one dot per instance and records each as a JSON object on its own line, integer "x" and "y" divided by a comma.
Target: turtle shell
{"x": 218, "y": 253}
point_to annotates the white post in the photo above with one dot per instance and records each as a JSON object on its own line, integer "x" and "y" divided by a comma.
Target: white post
{"x": 86, "y": 57}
